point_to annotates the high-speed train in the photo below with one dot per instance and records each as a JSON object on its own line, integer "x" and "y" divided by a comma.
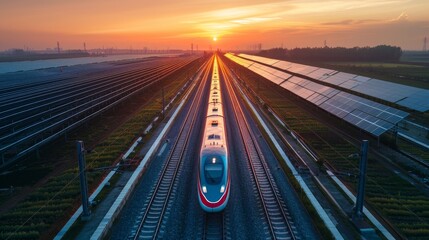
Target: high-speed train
{"x": 213, "y": 175}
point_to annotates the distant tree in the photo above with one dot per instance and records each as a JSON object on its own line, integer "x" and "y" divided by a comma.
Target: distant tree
{"x": 382, "y": 53}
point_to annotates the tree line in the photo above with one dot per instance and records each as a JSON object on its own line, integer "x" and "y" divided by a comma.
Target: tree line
{"x": 381, "y": 53}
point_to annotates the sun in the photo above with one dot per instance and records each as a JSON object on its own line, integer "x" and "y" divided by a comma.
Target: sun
{"x": 215, "y": 39}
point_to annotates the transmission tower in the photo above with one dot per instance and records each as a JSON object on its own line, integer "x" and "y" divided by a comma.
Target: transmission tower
{"x": 425, "y": 41}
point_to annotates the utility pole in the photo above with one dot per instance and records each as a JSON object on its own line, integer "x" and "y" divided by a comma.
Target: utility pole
{"x": 163, "y": 104}
{"x": 58, "y": 47}
{"x": 425, "y": 40}
{"x": 86, "y": 213}
{"x": 84, "y": 46}
{"x": 358, "y": 210}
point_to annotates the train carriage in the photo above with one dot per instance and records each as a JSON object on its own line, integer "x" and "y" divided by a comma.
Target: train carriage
{"x": 213, "y": 175}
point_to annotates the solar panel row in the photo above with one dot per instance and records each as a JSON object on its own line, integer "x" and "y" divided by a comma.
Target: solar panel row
{"x": 368, "y": 115}
{"x": 241, "y": 61}
{"x": 407, "y": 96}
{"x": 269, "y": 73}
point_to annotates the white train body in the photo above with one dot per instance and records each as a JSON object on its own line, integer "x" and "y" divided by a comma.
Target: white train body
{"x": 213, "y": 175}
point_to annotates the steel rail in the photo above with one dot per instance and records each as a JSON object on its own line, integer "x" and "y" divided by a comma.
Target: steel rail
{"x": 278, "y": 219}
{"x": 159, "y": 199}
{"x": 214, "y": 227}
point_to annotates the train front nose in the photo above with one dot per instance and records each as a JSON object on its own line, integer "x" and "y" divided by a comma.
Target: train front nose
{"x": 213, "y": 198}
{"x": 214, "y": 179}
{"x": 214, "y": 193}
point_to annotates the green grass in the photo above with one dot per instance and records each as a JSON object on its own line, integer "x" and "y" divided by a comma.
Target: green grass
{"x": 377, "y": 65}
{"x": 415, "y": 56}
{"x": 408, "y": 74}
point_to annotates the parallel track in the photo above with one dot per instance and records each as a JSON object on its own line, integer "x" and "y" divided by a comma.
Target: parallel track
{"x": 150, "y": 224}
{"x": 278, "y": 219}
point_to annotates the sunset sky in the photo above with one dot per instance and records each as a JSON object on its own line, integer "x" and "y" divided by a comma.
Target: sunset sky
{"x": 162, "y": 24}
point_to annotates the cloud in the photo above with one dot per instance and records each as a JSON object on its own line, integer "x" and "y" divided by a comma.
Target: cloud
{"x": 403, "y": 17}
{"x": 252, "y": 20}
{"x": 351, "y": 22}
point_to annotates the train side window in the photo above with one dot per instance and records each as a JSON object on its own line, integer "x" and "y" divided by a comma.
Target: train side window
{"x": 215, "y": 109}
{"x": 215, "y": 123}
{"x": 213, "y": 136}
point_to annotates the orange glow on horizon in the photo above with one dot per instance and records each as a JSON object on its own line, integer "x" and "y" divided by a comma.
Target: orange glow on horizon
{"x": 240, "y": 24}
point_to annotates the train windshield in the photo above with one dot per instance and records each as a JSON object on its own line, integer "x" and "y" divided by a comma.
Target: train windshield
{"x": 213, "y": 170}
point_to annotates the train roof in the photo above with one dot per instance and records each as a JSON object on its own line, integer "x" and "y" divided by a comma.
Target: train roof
{"x": 214, "y": 134}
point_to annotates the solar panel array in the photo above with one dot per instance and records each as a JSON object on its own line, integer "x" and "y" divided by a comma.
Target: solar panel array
{"x": 241, "y": 61}
{"x": 403, "y": 95}
{"x": 269, "y": 73}
{"x": 372, "y": 117}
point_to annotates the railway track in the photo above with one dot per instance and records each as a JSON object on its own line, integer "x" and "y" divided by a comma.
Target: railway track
{"x": 280, "y": 224}
{"x": 156, "y": 209}
{"x": 35, "y": 115}
{"x": 214, "y": 226}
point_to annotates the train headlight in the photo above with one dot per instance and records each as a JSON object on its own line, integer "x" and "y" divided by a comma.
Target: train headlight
{"x": 222, "y": 188}
{"x": 204, "y": 189}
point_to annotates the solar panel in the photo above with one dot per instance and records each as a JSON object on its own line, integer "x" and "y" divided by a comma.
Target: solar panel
{"x": 241, "y": 61}
{"x": 266, "y": 73}
{"x": 263, "y": 60}
{"x": 282, "y": 65}
{"x": 317, "y": 98}
{"x": 321, "y": 73}
{"x": 339, "y": 78}
{"x": 370, "y": 116}
{"x": 361, "y": 78}
{"x": 391, "y": 92}
{"x": 303, "y": 69}
{"x": 349, "y": 84}
{"x": 419, "y": 101}
{"x": 282, "y": 74}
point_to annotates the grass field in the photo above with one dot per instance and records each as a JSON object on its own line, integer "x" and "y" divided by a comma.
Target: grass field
{"x": 379, "y": 65}
{"x": 412, "y": 70}
{"x": 415, "y": 56}
{"x": 416, "y": 75}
